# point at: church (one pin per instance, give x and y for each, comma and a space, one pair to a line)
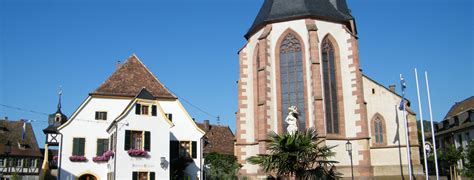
305, 53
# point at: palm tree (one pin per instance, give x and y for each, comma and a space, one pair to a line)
301, 154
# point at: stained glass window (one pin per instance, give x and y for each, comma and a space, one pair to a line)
291, 78
378, 131
330, 87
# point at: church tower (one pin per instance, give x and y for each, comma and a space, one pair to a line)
304, 53
53, 137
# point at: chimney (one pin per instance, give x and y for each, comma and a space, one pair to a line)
117, 66
206, 125
392, 87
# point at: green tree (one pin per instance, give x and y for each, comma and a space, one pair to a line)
469, 163
450, 156
301, 154
221, 166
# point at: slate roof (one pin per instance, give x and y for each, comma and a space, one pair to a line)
283, 10
218, 139
460, 107
130, 78
12, 131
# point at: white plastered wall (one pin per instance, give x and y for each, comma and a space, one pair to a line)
385, 103
159, 147
185, 129
84, 125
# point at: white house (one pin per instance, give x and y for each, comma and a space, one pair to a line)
130, 127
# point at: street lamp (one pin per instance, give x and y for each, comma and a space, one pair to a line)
349, 150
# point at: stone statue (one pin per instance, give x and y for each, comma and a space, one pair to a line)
292, 120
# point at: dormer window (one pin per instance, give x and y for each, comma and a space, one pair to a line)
23, 146
145, 109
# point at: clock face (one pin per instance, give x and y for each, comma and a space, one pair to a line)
428, 147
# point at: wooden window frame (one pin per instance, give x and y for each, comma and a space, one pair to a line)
148, 175
97, 146
85, 143
99, 117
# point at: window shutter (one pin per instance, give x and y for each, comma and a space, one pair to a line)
174, 150
106, 145
147, 140
96, 115
75, 146
152, 175
127, 139
138, 108
105, 115
82, 142
170, 117
135, 176
153, 110
99, 148
194, 149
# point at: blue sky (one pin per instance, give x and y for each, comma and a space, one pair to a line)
192, 47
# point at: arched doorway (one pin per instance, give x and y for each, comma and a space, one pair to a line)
87, 177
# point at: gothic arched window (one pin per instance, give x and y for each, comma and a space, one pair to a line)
378, 126
330, 87
291, 78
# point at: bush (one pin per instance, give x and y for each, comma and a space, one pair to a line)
221, 166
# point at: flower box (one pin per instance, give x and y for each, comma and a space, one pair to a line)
78, 158
137, 153
104, 158
100, 159
108, 154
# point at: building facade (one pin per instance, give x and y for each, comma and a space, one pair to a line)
305, 53
20, 155
127, 129
457, 128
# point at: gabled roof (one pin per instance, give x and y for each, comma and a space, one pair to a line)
218, 138
130, 78
283, 10
144, 94
460, 107
12, 131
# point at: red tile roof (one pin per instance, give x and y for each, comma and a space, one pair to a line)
130, 78
460, 107
12, 131
218, 139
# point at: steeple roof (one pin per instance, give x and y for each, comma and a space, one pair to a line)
283, 10
130, 78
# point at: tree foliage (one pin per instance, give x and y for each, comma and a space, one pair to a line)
300, 154
469, 163
221, 166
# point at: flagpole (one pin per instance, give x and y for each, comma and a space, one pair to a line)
421, 123
432, 127
407, 140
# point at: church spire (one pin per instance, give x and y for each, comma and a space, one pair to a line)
60, 93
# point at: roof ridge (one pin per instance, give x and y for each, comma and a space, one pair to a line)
146, 67
129, 78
